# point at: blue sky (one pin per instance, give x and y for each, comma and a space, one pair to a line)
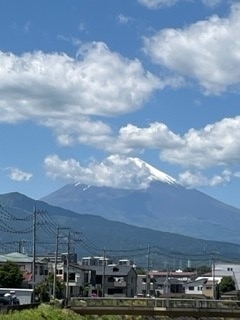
86, 86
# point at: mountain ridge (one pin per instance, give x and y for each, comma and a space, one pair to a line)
98, 233
161, 206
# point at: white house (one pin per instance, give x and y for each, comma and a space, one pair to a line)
195, 287
203, 286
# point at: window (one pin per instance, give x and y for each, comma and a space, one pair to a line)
41, 270
115, 269
110, 279
115, 291
229, 269
98, 279
191, 288
71, 276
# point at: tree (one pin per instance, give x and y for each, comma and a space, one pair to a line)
227, 284
10, 275
44, 288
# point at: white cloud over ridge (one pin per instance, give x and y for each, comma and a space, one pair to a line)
115, 171
214, 145
194, 180
214, 48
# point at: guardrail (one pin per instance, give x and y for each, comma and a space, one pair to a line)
158, 306
18, 307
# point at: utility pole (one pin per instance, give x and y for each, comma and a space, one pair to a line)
55, 264
67, 273
148, 271
213, 276
34, 251
103, 276
21, 246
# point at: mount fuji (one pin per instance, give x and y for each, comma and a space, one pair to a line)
163, 205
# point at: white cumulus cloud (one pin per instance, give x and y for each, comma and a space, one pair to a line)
207, 51
211, 3
115, 171
215, 144
198, 179
19, 175
156, 4
97, 82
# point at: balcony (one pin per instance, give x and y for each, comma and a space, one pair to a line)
120, 284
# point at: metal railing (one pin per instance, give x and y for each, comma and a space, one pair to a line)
157, 306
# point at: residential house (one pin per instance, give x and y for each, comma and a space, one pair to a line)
25, 264
205, 286
145, 286
77, 280
170, 282
114, 280
195, 287
168, 286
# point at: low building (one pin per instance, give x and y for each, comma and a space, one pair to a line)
76, 278
170, 282
206, 286
146, 286
195, 287
114, 281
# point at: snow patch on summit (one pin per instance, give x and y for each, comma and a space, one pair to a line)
155, 174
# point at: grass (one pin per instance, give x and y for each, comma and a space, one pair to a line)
46, 312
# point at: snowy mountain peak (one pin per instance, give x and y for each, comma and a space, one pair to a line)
155, 174
121, 172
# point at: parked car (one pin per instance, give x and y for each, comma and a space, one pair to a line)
9, 299
4, 300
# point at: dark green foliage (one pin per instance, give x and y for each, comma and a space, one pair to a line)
10, 275
44, 288
227, 284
